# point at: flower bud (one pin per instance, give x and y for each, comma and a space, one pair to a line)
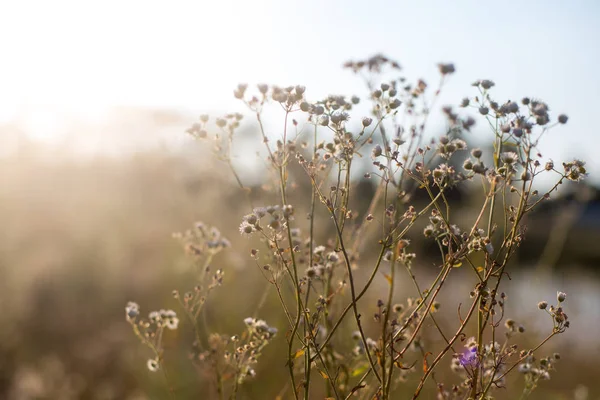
542, 305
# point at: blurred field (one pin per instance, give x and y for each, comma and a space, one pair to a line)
81, 237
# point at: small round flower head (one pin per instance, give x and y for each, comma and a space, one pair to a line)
324, 120
561, 296
524, 368
377, 151
486, 84
304, 106
483, 110
153, 365
132, 310
154, 316
263, 88
542, 305
446, 68
518, 132
172, 322
562, 118
510, 107
251, 219
468, 164
246, 228
428, 231
476, 153
288, 210
509, 157
395, 104
366, 121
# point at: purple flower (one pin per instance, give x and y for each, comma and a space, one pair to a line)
469, 357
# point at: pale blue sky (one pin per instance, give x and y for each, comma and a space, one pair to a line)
82, 57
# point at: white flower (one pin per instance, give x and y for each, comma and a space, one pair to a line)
153, 365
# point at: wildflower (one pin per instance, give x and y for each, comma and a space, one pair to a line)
132, 310
377, 151
304, 106
575, 170
154, 317
524, 368
251, 219
395, 104
562, 118
172, 323
510, 107
468, 358
428, 231
561, 296
246, 228
153, 365
518, 132
509, 157
483, 110
446, 69
486, 83
542, 305
333, 257
319, 250
366, 121
288, 210
371, 344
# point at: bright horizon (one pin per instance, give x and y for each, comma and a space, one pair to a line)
73, 60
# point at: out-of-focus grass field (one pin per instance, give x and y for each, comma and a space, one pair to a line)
81, 237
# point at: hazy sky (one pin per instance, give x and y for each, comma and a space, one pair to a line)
80, 58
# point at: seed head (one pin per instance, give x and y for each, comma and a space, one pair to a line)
486, 84
377, 151
446, 69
